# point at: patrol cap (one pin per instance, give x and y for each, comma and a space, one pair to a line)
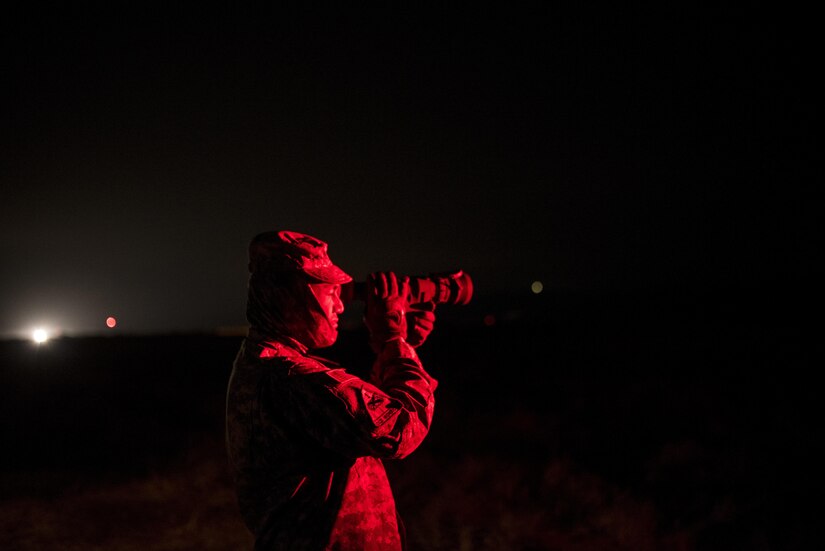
289, 251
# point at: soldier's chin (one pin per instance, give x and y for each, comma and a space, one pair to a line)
322, 339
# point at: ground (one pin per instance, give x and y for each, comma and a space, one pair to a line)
546, 436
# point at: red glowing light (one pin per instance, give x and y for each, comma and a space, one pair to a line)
111, 322
489, 320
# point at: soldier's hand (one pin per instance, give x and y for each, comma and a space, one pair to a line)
386, 308
420, 322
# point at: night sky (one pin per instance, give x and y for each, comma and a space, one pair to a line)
597, 152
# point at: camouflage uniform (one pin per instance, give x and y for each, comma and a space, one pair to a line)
305, 441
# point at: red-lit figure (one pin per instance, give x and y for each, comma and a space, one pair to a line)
306, 437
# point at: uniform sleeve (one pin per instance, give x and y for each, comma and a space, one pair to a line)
386, 417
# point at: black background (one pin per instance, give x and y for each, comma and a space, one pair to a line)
598, 151
653, 168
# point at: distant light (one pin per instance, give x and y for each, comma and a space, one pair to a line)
111, 322
537, 287
489, 320
40, 336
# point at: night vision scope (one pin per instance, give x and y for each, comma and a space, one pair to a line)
440, 288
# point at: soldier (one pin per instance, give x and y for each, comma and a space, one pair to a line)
305, 437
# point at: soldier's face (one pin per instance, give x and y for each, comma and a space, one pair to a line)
328, 296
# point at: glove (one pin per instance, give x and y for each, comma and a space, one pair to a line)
420, 322
386, 308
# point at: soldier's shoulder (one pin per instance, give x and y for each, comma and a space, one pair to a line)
317, 371
311, 369
296, 362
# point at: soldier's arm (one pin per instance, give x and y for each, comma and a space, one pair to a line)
388, 417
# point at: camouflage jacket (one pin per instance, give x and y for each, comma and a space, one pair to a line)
305, 440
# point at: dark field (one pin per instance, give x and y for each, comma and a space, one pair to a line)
680, 425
